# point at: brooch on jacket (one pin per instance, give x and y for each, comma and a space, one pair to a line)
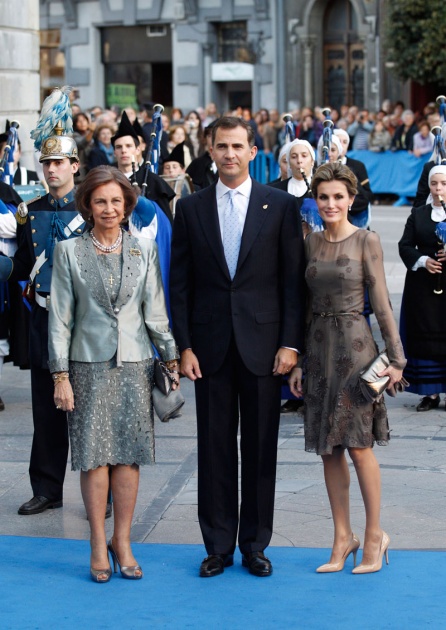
135, 252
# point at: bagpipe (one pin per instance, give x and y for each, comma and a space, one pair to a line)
440, 233
326, 135
439, 153
290, 132
8, 155
145, 209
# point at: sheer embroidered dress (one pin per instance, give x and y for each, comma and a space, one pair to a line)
340, 343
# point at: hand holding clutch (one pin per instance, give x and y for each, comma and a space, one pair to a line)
372, 385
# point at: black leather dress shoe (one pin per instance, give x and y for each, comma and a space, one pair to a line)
428, 403
215, 564
257, 563
291, 406
38, 505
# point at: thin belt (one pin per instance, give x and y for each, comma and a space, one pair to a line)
329, 314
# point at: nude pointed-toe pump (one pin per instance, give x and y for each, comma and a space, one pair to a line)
376, 566
333, 567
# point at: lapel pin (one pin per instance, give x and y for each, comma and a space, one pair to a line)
135, 252
265, 206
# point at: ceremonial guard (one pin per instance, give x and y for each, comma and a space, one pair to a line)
125, 143
44, 222
152, 215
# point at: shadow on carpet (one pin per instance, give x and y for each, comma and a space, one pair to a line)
45, 584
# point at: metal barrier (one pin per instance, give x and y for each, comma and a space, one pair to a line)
264, 168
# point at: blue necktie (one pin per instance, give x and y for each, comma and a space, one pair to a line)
232, 234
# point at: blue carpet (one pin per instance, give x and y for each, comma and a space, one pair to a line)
45, 584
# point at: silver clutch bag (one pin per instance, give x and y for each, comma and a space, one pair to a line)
373, 386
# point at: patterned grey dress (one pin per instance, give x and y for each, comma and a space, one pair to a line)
339, 341
112, 422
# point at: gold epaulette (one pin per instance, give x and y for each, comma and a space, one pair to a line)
21, 214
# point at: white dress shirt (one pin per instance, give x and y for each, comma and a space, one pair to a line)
241, 202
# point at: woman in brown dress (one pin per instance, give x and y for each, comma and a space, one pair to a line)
341, 261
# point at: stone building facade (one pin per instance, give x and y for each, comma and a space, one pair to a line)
19, 69
270, 53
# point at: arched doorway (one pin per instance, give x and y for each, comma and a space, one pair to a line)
343, 56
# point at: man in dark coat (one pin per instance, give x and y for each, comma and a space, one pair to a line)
125, 143
202, 170
237, 298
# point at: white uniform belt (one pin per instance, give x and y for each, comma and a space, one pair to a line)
41, 260
43, 301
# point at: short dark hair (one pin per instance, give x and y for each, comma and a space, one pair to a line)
232, 122
335, 171
100, 176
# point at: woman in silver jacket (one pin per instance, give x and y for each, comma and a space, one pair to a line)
107, 308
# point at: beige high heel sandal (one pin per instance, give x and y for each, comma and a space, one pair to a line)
131, 573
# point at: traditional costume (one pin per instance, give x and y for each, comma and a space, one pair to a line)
423, 309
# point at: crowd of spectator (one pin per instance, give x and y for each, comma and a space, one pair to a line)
394, 127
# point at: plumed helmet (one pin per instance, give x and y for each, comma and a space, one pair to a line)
58, 146
52, 135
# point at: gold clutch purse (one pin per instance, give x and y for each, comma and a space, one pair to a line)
373, 386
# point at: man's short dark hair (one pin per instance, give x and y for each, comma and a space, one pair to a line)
232, 122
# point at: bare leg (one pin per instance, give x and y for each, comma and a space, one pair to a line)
369, 478
94, 488
337, 482
124, 484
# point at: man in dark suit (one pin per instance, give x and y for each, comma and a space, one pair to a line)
238, 301
202, 169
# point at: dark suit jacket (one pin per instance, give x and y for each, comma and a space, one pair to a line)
263, 307
364, 195
31, 176
157, 190
281, 184
423, 189
201, 172
401, 141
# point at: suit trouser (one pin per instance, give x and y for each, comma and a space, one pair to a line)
219, 399
49, 450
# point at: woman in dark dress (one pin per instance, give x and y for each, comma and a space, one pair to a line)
423, 312
102, 152
342, 261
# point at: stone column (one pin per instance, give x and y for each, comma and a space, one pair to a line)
206, 91
307, 49
19, 70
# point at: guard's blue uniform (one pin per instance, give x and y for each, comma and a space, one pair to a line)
47, 223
